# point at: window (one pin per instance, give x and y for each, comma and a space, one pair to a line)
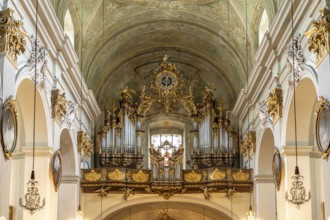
68, 27
173, 139
264, 26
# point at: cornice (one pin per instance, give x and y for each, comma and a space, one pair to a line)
59, 49
271, 49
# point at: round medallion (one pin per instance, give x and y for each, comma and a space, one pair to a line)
166, 80
323, 129
277, 170
8, 129
57, 169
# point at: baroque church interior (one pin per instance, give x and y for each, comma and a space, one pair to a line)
164, 109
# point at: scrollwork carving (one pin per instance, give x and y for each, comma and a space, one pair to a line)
262, 111
241, 176
274, 103
140, 176
296, 60
40, 62
71, 112
193, 177
12, 36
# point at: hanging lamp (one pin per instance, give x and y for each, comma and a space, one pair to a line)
297, 193
250, 214
32, 198
79, 215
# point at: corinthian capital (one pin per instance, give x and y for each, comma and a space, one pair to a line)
12, 36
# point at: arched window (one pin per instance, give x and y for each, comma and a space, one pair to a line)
264, 26
68, 26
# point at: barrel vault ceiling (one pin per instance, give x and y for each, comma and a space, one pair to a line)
135, 35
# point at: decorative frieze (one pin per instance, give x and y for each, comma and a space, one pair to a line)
12, 36
318, 37
37, 59
59, 105
248, 145
85, 144
296, 60
270, 110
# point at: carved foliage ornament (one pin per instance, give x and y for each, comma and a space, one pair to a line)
92, 176
248, 145
12, 36
241, 176
217, 175
116, 175
85, 144
318, 37
59, 104
296, 60
40, 62
262, 111
71, 112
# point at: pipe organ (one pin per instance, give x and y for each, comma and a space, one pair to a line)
121, 141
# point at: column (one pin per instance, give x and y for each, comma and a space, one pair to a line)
69, 189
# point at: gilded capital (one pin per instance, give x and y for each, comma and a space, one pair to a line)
59, 105
318, 37
12, 36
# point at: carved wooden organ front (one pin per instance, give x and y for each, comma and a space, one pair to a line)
212, 142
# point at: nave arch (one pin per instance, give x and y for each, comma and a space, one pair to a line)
179, 207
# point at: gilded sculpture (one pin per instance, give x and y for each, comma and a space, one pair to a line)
85, 144
248, 145
274, 103
12, 36
217, 175
241, 175
318, 37
92, 176
116, 175
192, 177
140, 176
59, 105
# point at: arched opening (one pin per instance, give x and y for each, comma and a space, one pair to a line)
178, 208
306, 98
309, 163
264, 184
25, 102
263, 26
69, 184
21, 166
168, 210
68, 26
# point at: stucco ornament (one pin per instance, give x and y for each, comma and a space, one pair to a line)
296, 60
12, 36
59, 105
37, 59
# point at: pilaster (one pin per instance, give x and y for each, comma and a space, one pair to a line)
319, 43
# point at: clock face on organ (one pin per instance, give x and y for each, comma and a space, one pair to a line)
166, 80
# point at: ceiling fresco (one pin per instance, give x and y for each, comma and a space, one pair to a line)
196, 35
